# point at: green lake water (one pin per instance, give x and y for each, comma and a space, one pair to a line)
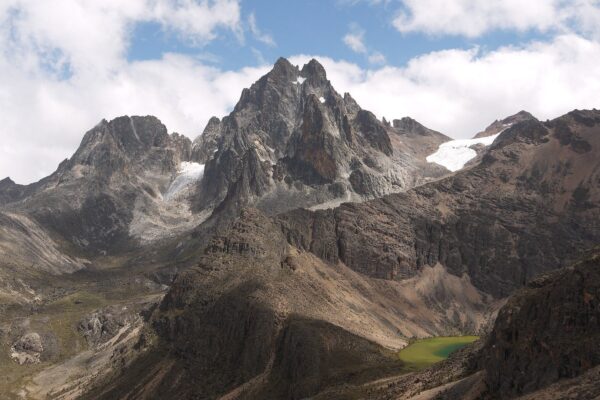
426, 352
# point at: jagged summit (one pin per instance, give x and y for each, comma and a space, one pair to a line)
315, 73
7, 183
313, 145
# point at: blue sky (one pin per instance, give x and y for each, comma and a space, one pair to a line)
316, 27
454, 65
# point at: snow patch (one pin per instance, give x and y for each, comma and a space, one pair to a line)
133, 129
187, 174
300, 80
322, 99
456, 153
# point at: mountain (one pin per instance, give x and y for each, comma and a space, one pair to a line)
300, 291
130, 184
110, 189
532, 202
232, 266
499, 125
293, 141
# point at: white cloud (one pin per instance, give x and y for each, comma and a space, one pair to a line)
355, 41
459, 92
473, 18
376, 58
93, 35
63, 67
257, 33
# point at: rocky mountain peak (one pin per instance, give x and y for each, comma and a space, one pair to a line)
315, 73
206, 144
500, 125
407, 125
309, 138
130, 134
9, 190
283, 65
129, 142
6, 182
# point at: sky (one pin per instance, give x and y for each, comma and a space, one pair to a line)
454, 65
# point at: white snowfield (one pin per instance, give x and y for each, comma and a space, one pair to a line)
322, 99
300, 80
456, 153
188, 173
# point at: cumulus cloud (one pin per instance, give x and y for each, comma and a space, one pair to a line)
93, 35
376, 58
59, 77
473, 18
355, 41
459, 92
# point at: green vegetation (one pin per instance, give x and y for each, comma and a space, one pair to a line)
426, 352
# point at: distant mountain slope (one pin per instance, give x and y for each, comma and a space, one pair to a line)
499, 125
532, 203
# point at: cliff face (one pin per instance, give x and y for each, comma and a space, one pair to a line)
529, 206
547, 332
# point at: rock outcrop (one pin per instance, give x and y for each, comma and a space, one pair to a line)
547, 332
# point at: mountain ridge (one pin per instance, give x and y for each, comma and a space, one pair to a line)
288, 252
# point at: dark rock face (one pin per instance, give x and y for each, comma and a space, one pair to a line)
408, 126
130, 143
10, 191
207, 144
512, 217
547, 332
232, 326
312, 355
307, 137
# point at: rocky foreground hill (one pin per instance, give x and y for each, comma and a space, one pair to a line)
294, 247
